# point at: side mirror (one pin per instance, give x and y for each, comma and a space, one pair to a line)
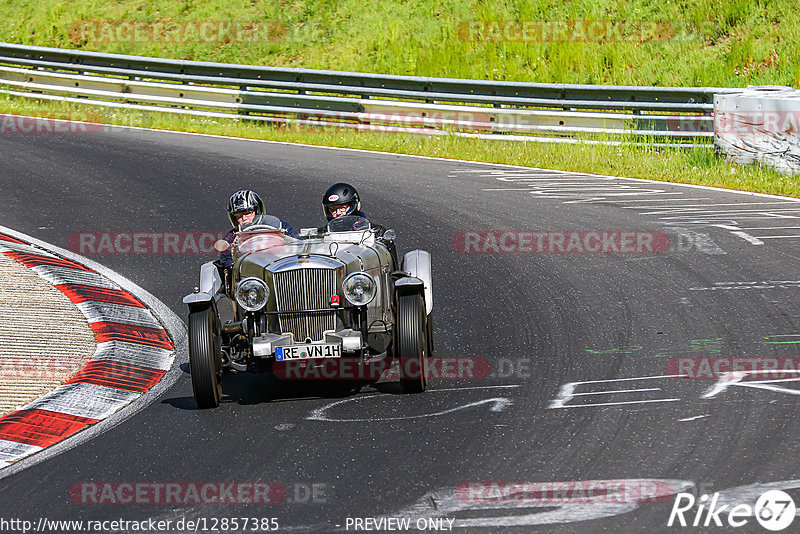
389, 235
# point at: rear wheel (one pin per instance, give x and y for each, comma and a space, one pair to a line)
411, 343
204, 364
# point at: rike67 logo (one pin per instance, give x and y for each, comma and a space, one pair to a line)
774, 510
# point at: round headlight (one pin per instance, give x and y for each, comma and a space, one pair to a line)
359, 288
252, 294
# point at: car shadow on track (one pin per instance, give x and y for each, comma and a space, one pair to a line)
253, 388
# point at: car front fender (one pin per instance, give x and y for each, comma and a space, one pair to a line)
417, 264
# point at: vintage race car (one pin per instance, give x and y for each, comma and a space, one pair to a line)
335, 294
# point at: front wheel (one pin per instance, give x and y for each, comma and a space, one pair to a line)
204, 341
411, 343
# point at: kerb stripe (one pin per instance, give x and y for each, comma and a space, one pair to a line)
41, 428
118, 375
82, 293
35, 260
110, 331
4, 237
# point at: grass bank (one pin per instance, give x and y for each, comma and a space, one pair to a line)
727, 43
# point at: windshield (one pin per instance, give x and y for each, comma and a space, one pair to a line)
348, 223
258, 239
264, 233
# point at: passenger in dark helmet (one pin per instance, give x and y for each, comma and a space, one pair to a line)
342, 199
245, 207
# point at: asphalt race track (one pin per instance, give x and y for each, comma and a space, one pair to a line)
577, 348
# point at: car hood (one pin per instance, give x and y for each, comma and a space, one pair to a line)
304, 255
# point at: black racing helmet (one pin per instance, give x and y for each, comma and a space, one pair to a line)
245, 200
341, 193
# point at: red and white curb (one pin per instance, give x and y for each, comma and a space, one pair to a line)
134, 352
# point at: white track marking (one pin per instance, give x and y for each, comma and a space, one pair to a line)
738, 286
734, 379
630, 379
714, 205
486, 167
567, 392
696, 417
478, 387
582, 200
616, 391
621, 403
772, 228
735, 230
689, 211
652, 200
739, 214
498, 404
749, 238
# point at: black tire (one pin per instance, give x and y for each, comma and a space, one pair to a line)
430, 335
411, 342
204, 364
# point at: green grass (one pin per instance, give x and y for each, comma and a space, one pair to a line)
696, 166
728, 43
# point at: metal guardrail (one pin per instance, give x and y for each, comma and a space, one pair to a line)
504, 110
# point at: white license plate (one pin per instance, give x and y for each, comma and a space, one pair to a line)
302, 352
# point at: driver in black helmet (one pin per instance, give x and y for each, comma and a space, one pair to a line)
342, 199
245, 207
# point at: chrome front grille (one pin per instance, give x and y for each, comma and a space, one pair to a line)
305, 289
